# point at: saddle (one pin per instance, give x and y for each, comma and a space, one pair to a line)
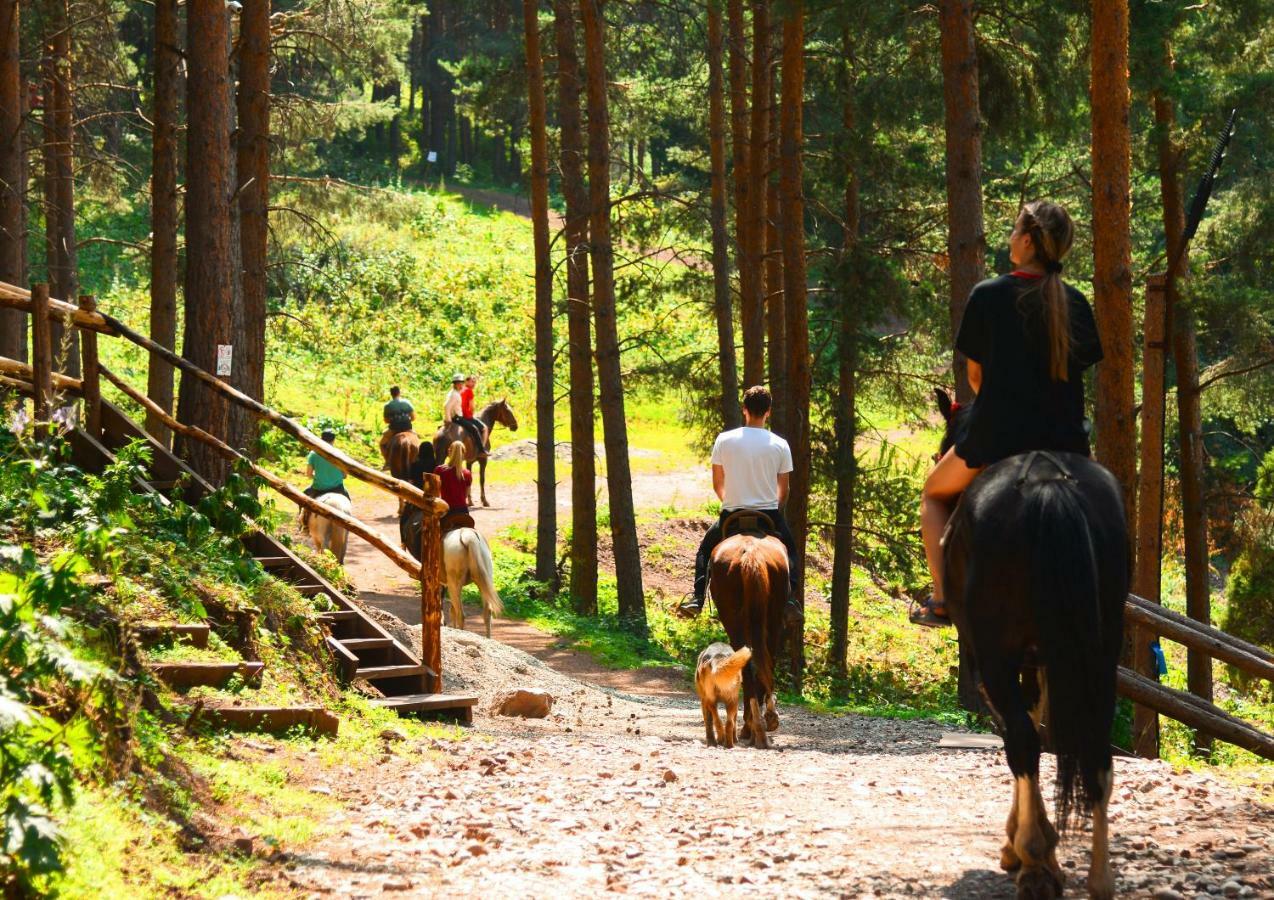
451, 521
747, 521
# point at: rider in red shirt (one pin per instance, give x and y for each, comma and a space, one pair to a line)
466, 407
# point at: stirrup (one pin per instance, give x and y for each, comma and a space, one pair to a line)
690, 606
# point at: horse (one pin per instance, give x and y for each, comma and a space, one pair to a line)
492, 414
404, 447
1036, 577
748, 576
466, 559
328, 534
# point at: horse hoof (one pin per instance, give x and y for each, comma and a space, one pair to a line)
771, 721
1009, 861
1038, 884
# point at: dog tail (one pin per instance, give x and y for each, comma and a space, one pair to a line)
733, 664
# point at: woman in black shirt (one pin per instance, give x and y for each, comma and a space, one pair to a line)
1028, 337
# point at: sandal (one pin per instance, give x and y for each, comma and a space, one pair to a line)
930, 614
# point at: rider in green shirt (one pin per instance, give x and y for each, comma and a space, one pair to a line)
325, 477
398, 415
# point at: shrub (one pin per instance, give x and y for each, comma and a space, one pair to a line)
1250, 588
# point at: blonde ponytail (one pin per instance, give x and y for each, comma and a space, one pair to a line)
1052, 233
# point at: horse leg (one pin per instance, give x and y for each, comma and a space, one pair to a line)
468, 491
482, 479
1101, 882
759, 739
486, 616
771, 713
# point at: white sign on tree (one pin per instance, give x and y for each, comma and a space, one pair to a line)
224, 354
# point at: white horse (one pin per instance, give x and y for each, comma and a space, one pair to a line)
328, 534
466, 559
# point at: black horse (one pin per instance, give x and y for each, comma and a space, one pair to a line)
1037, 571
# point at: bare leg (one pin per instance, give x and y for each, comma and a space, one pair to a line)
948, 480
1101, 882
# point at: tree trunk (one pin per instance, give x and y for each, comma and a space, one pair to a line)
439, 83
731, 415
740, 149
846, 413
794, 295
966, 237
751, 278
253, 171
1112, 255
775, 310
163, 214
545, 471
623, 525
583, 585
211, 257
13, 323
396, 127
63, 274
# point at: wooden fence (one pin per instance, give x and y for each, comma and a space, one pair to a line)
44, 384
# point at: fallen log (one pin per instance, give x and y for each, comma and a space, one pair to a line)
1194, 712
366, 532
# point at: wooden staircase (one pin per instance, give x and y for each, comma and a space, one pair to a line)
362, 649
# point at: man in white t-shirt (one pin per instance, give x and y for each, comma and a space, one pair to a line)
750, 470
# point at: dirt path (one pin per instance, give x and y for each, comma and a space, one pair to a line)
616, 791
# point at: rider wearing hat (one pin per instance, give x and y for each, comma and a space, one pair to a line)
454, 411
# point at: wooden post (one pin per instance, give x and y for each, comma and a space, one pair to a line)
41, 353
1147, 576
431, 591
92, 374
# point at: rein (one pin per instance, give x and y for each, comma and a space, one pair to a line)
1063, 473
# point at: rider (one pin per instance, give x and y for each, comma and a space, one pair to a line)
325, 478
466, 408
398, 415
751, 467
1028, 337
453, 411
454, 480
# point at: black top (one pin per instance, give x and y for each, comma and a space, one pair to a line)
425, 463
1020, 407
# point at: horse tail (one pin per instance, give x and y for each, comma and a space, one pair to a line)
1066, 595
483, 570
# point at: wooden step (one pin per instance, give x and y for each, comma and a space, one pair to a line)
274, 719
275, 562
154, 632
163, 486
375, 673
362, 645
338, 615
183, 675
309, 590
451, 705
346, 661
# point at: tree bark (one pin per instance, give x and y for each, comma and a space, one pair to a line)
740, 150
731, 415
59, 175
13, 324
583, 584
775, 309
794, 293
163, 221
253, 171
545, 454
752, 278
623, 525
846, 412
1112, 254
966, 231
211, 255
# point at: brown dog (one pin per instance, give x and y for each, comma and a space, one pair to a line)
718, 677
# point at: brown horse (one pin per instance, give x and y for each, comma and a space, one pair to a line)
403, 449
748, 578
492, 414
